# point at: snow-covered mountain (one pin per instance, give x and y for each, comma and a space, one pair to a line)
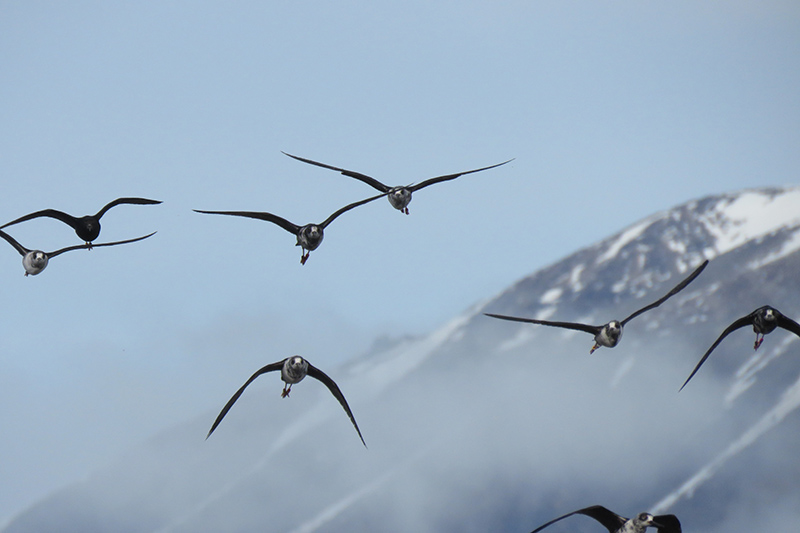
489, 425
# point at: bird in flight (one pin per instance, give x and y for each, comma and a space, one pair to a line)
87, 227
309, 237
293, 369
764, 320
615, 523
609, 334
34, 261
399, 196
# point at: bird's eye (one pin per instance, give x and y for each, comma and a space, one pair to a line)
643, 517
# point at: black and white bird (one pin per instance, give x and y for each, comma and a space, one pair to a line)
764, 320
615, 523
609, 334
87, 227
399, 196
309, 237
34, 261
293, 370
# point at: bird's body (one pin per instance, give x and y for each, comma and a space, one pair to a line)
34, 261
87, 228
309, 237
615, 523
609, 334
293, 369
399, 196
764, 320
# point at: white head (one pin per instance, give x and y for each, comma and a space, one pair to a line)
34, 262
294, 369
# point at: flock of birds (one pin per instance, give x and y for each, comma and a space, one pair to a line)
294, 369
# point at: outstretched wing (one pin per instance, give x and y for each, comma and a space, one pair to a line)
594, 330
318, 374
269, 217
269, 368
357, 175
610, 520
788, 324
17, 246
668, 523
52, 213
125, 201
678, 288
348, 208
447, 177
739, 323
81, 246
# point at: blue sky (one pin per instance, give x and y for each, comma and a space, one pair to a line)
612, 112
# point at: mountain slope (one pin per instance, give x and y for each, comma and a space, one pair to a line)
489, 425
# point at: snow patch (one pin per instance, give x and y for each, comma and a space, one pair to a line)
790, 400
625, 237
575, 278
752, 214
402, 359
746, 375
791, 245
551, 296
545, 313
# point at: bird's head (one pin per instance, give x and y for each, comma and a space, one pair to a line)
34, 262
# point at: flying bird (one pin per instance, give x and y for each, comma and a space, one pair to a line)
399, 196
87, 227
615, 523
34, 261
764, 320
293, 370
309, 237
609, 334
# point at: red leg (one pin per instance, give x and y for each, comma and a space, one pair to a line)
759, 340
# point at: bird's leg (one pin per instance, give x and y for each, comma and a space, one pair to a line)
596, 346
286, 389
89, 245
759, 340
304, 257
405, 210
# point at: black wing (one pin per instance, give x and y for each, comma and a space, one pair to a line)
348, 208
678, 288
125, 201
52, 213
669, 523
17, 246
80, 246
318, 374
269, 217
447, 177
594, 330
788, 324
739, 323
610, 520
269, 368
357, 175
